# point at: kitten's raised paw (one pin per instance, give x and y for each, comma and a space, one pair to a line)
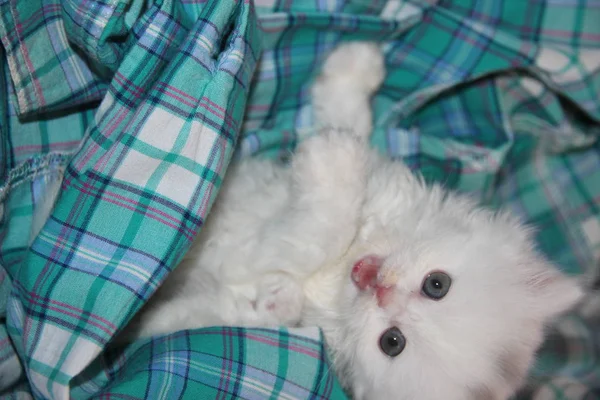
358, 63
342, 92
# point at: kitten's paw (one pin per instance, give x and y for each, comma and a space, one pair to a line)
280, 300
342, 93
358, 63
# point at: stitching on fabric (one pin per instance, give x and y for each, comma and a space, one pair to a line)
32, 169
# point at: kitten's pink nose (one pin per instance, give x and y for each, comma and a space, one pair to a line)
364, 272
365, 275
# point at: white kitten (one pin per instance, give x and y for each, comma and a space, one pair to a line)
420, 294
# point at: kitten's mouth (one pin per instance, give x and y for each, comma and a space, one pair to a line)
367, 278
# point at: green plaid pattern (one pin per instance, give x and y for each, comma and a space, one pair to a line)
140, 105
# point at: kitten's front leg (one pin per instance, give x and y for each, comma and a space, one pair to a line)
329, 169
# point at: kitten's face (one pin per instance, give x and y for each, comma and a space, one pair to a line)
453, 308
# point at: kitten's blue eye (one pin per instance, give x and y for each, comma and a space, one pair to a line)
436, 285
392, 342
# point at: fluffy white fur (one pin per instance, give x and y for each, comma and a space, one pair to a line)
280, 244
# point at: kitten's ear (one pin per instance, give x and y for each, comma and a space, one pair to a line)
554, 291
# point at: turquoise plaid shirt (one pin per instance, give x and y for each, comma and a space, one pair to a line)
139, 106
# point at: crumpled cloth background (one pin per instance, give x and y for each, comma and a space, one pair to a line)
139, 106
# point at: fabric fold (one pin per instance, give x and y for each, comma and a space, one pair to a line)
137, 190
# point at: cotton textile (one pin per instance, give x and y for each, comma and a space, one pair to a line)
139, 106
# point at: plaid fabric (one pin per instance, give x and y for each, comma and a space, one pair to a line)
496, 98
